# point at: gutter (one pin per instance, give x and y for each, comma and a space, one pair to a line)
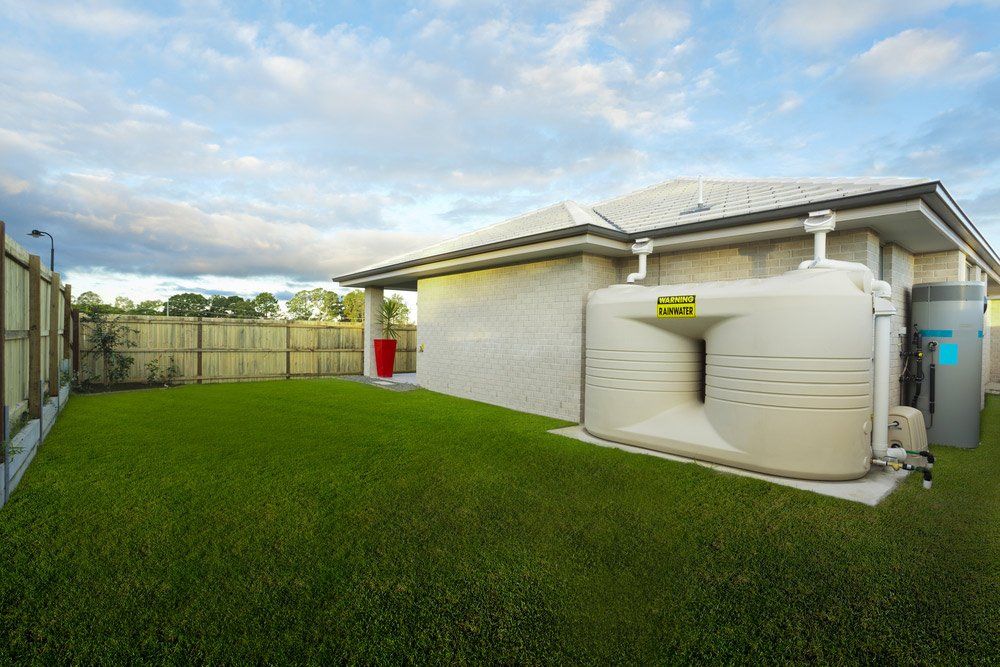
932, 193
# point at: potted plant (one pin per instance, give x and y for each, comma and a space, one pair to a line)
391, 316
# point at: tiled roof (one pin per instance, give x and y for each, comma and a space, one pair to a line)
668, 204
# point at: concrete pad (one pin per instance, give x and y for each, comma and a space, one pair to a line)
403, 378
870, 489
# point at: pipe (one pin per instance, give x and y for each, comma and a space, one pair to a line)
819, 224
884, 310
642, 248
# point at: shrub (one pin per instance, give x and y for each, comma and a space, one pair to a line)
107, 338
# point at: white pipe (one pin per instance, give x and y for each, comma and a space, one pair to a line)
884, 310
642, 248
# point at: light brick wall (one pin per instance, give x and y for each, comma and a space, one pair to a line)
897, 270
515, 335
993, 326
759, 259
933, 267
510, 336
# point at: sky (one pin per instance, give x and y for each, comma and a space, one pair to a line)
245, 147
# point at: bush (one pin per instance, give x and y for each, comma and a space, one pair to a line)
107, 337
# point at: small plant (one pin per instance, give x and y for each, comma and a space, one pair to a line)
107, 338
153, 371
392, 316
81, 384
65, 377
173, 371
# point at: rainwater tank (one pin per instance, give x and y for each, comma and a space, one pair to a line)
772, 375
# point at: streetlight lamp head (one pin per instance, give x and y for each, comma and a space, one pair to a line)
35, 233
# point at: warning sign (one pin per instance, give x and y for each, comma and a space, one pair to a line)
682, 305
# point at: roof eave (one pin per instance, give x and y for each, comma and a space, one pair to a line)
553, 235
931, 192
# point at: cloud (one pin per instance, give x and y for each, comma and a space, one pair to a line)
651, 27
918, 53
789, 102
810, 24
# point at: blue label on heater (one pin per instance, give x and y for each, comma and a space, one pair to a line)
980, 333
948, 354
936, 333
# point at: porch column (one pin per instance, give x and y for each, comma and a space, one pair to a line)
372, 327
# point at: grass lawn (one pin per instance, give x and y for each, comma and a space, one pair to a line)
327, 520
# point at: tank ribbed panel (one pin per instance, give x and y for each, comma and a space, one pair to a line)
645, 371
789, 382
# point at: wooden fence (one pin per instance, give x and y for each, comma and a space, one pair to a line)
36, 322
234, 350
34, 350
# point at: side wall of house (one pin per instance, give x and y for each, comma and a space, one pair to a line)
510, 336
515, 336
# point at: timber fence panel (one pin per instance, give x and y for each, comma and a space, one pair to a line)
235, 350
33, 307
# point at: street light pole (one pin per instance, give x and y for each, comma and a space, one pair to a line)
37, 233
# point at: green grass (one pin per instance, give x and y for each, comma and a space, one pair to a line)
318, 521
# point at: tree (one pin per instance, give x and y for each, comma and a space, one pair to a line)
353, 305
187, 304
220, 305
265, 305
123, 304
90, 302
88, 299
150, 307
107, 337
315, 304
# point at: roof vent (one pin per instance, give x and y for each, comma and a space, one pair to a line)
702, 206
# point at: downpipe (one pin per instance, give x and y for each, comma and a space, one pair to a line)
642, 248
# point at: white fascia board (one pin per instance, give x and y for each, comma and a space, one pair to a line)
583, 243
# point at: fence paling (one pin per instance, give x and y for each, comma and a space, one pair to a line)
34, 341
215, 350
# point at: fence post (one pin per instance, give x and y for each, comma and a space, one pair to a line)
67, 321
3, 335
199, 350
76, 340
34, 337
3, 338
54, 336
288, 350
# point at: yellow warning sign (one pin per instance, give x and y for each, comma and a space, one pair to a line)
682, 305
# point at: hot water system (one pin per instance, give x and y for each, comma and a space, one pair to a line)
786, 375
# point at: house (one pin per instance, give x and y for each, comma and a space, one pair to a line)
502, 308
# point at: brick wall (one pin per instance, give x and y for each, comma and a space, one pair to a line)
935, 267
759, 259
897, 270
993, 327
511, 336
514, 336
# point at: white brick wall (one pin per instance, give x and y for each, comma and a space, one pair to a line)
759, 259
897, 270
514, 336
511, 336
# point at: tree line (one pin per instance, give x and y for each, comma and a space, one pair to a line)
315, 304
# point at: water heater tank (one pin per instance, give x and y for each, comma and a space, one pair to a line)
949, 316
772, 375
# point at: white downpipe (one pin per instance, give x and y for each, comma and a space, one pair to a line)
642, 248
819, 224
884, 310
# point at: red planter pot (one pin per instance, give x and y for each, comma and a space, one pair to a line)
385, 356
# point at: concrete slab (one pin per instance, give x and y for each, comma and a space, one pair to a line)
870, 489
403, 378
